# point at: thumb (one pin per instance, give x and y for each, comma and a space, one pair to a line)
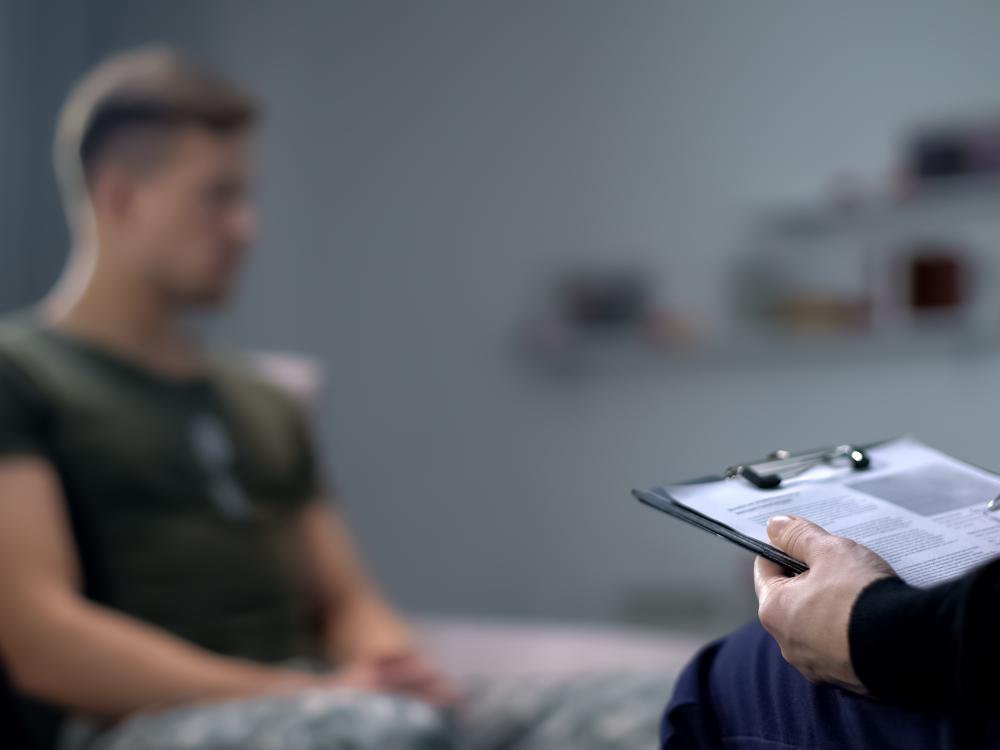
798, 537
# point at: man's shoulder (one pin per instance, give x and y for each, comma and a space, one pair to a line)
25, 359
18, 325
257, 379
21, 339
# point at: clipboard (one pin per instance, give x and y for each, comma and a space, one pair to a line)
769, 473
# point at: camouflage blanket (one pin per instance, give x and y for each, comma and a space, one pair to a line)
594, 712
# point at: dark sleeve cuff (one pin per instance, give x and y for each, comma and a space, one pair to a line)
899, 644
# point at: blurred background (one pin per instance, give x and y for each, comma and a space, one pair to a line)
545, 252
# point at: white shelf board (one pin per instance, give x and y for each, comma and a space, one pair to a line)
622, 355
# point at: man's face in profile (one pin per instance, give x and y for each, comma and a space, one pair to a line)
191, 218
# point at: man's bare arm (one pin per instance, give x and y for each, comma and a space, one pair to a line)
362, 628
60, 647
360, 623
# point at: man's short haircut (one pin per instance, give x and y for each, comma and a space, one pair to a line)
118, 110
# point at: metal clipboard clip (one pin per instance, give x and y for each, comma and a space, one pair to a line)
781, 465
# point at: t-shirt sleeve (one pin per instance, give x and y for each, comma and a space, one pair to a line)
23, 413
307, 481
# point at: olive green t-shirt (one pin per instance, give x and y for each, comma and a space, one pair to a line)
182, 494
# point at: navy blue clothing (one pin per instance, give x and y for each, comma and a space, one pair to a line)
738, 693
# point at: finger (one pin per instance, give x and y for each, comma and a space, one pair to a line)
766, 575
410, 673
441, 693
357, 678
798, 537
395, 658
432, 689
409, 680
413, 678
409, 670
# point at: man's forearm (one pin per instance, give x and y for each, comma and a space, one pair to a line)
366, 627
359, 622
98, 661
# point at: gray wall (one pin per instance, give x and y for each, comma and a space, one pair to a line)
42, 49
424, 165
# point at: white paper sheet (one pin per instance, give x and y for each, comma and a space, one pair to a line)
922, 510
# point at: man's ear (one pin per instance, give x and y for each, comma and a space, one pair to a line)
112, 192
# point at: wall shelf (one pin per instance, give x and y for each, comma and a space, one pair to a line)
610, 355
952, 200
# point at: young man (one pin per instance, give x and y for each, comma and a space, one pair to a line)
164, 537
171, 575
